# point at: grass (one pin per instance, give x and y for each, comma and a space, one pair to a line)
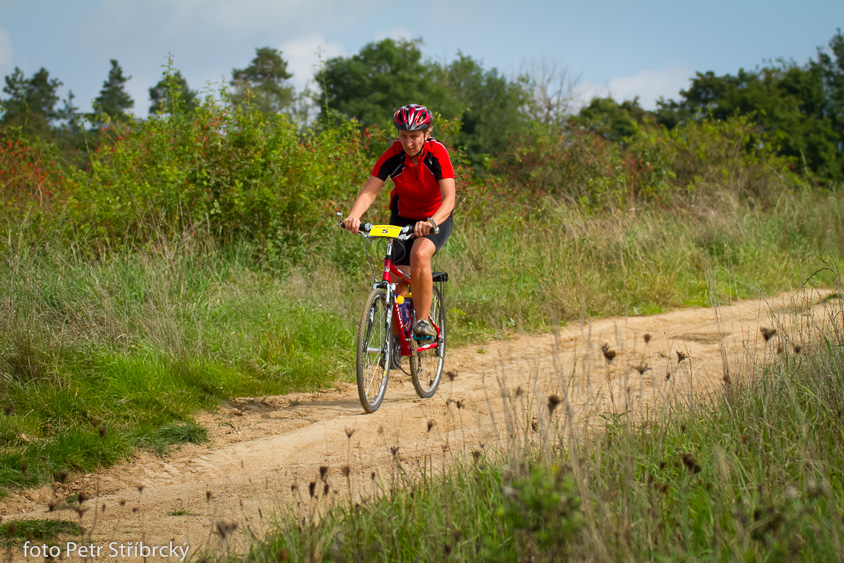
44, 531
103, 353
754, 472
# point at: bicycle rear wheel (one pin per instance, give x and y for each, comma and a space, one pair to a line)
371, 362
426, 367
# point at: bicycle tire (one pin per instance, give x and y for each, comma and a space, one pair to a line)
426, 367
371, 365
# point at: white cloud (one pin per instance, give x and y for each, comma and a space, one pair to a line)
396, 34
7, 53
649, 85
303, 56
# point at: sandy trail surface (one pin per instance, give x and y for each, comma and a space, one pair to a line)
269, 454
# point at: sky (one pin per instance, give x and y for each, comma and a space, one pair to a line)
620, 48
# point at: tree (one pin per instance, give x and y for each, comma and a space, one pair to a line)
171, 94
381, 78
264, 83
489, 106
799, 109
614, 121
113, 100
552, 94
386, 75
31, 104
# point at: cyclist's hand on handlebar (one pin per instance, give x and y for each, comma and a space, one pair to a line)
352, 224
423, 228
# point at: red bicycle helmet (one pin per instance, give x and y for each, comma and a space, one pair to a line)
413, 117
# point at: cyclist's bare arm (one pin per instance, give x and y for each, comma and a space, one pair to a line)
365, 198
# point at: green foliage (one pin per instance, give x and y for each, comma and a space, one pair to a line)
542, 509
797, 109
229, 168
617, 122
488, 105
372, 84
32, 179
113, 100
263, 84
44, 531
384, 76
172, 95
31, 105
582, 167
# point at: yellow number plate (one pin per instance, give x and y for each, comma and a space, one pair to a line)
387, 231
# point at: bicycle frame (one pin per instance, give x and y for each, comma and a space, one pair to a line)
389, 286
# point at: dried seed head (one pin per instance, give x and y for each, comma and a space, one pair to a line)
60, 476
140, 488
779, 349
325, 490
208, 496
349, 432
797, 348
451, 375
608, 354
81, 497
553, 401
102, 430
476, 454
681, 356
312, 488
431, 424
8, 409
346, 471
641, 368
767, 333
24, 466
667, 375
647, 337
323, 471
519, 391
394, 450
727, 379
690, 462
224, 529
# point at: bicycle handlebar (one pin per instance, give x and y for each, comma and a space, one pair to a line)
366, 227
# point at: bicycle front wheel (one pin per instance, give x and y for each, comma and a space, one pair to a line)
426, 367
372, 365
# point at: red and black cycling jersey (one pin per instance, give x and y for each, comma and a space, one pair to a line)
417, 188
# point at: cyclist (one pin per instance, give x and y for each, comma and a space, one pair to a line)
423, 196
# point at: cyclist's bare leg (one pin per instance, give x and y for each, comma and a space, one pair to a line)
420, 274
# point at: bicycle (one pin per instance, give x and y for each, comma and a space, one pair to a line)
378, 349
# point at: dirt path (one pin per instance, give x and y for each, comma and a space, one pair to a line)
268, 454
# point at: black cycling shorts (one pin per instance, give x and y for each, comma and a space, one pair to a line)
401, 248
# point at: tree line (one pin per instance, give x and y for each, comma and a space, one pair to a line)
798, 109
